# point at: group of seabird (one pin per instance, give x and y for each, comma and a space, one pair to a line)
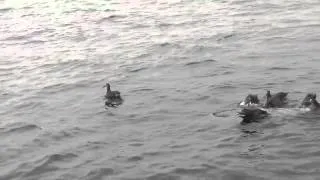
252, 110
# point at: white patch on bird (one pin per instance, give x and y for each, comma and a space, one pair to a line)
242, 103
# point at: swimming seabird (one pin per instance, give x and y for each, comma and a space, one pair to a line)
307, 100
251, 99
111, 94
277, 100
313, 104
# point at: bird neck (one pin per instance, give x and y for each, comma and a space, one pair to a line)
268, 95
108, 89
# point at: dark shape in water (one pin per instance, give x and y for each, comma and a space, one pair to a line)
277, 100
250, 115
311, 102
315, 106
251, 99
307, 100
113, 102
111, 95
249, 131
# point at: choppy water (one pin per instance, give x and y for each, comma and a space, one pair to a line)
175, 64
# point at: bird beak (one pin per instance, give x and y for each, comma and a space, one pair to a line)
104, 86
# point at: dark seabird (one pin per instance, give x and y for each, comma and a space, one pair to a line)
250, 115
311, 102
307, 100
251, 99
277, 100
111, 95
314, 105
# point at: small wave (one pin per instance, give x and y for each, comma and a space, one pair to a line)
20, 127
202, 98
165, 25
61, 157
225, 37
6, 74
222, 113
226, 86
30, 14
116, 16
228, 36
34, 42
138, 69
313, 153
61, 135
99, 173
164, 44
27, 7
136, 144
279, 68
54, 86
178, 146
59, 87
109, 10
25, 36
206, 129
102, 20
138, 26
3, 10
223, 146
200, 62
199, 170
289, 135
269, 84
16, 37
29, 105
308, 167
111, 17
151, 154
135, 158
142, 90
255, 147
25, 128
46, 164
95, 145
161, 176
227, 72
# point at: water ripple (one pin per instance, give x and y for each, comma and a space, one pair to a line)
18, 128
4, 10
99, 173
49, 163
176, 64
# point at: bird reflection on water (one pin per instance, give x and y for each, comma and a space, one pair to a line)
113, 102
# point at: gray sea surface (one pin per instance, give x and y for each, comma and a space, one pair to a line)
175, 63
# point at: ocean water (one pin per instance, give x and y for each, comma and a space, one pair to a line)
175, 63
